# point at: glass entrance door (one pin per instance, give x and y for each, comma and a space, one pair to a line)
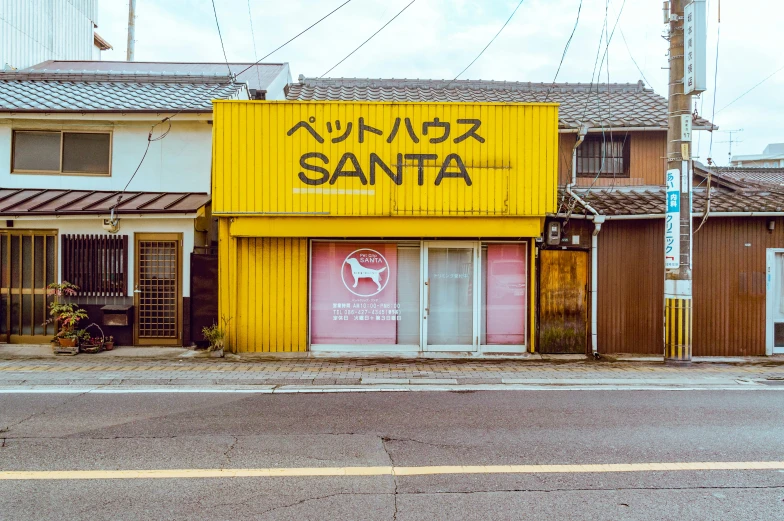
450, 296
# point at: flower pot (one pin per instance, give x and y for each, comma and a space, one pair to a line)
66, 342
217, 353
64, 350
108, 346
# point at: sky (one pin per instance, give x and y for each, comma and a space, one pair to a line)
439, 38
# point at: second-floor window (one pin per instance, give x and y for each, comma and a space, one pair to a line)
61, 152
603, 156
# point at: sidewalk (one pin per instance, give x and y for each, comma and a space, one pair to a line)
185, 370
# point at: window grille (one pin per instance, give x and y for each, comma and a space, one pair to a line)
603, 156
98, 264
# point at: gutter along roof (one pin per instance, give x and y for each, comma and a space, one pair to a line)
617, 105
29, 202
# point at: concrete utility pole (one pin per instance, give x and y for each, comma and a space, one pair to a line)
678, 224
131, 29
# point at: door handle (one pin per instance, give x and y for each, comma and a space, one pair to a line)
427, 307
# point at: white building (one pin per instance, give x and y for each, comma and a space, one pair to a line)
70, 144
32, 31
771, 157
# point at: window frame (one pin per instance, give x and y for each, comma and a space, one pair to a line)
625, 157
62, 140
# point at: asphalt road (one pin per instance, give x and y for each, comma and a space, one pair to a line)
60, 432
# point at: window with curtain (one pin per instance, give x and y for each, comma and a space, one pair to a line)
604, 155
61, 152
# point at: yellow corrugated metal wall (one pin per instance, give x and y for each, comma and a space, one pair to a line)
269, 302
266, 162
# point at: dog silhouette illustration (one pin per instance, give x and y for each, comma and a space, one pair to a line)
358, 271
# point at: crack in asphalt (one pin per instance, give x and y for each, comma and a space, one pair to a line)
45, 411
430, 444
384, 441
228, 451
306, 500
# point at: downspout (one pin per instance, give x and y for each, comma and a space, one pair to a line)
597, 223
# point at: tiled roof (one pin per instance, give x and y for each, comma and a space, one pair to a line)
45, 92
652, 201
758, 176
616, 105
87, 202
258, 76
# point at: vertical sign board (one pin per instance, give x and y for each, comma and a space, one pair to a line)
694, 47
672, 222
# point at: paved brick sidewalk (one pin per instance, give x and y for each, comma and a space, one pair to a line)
87, 371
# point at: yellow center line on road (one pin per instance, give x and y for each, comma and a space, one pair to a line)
24, 475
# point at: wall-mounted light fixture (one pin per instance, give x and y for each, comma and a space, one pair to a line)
771, 225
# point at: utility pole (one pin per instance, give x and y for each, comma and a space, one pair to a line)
131, 29
686, 77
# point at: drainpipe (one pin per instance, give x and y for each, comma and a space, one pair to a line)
597, 223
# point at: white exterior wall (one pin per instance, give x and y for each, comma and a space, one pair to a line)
179, 163
128, 226
33, 31
276, 89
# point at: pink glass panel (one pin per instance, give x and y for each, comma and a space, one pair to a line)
354, 293
507, 293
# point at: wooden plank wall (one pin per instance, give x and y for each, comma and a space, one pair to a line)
648, 150
631, 287
729, 286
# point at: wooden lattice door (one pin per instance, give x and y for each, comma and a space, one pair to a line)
27, 266
157, 289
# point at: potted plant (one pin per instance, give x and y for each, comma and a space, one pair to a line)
216, 335
109, 343
67, 316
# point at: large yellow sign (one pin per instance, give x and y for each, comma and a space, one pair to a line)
384, 159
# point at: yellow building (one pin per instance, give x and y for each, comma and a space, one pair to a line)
381, 227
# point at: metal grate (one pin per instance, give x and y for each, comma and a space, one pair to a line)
158, 293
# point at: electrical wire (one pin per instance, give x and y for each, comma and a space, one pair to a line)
214, 10
713, 117
253, 38
230, 81
632, 57
370, 38
566, 48
488, 44
751, 89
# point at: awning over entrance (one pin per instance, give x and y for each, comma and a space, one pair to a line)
33, 201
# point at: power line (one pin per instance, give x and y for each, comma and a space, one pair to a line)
220, 36
253, 38
371, 37
311, 26
566, 48
751, 89
209, 93
489, 43
632, 57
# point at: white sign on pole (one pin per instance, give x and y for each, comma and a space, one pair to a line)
672, 221
686, 120
694, 47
